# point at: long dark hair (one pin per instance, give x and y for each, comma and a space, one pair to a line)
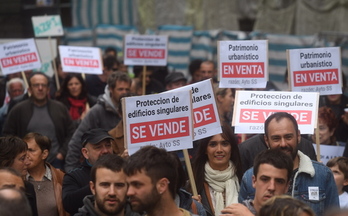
64, 93
201, 157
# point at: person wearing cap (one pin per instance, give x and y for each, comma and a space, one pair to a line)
175, 80
105, 114
95, 142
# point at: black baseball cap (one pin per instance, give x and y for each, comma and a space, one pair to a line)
94, 136
173, 77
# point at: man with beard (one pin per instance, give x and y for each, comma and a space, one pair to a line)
152, 177
109, 187
311, 182
272, 173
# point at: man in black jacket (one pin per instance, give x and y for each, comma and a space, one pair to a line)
95, 143
41, 115
109, 187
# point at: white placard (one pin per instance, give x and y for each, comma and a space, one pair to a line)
252, 108
45, 26
206, 120
43, 46
145, 50
327, 152
86, 60
19, 56
315, 70
243, 64
162, 120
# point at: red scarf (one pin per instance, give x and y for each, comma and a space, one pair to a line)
77, 107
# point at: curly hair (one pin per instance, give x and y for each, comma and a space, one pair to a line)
328, 116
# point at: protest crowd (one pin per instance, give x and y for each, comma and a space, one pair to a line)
64, 148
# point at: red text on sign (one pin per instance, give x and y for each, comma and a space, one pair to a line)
92, 63
18, 60
317, 77
204, 115
243, 70
146, 53
158, 130
303, 117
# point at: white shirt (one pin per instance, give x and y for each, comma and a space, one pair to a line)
343, 200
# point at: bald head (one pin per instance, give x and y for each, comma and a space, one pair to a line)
14, 202
10, 178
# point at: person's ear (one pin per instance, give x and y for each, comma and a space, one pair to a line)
345, 182
162, 185
30, 90
287, 187
254, 181
266, 141
92, 187
44, 154
84, 152
298, 137
219, 98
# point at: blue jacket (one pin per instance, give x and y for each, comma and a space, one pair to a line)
310, 174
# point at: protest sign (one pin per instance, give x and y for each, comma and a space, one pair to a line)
328, 152
206, 120
45, 26
315, 70
19, 56
81, 59
162, 120
243, 64
46, 56
252, 108
145, 50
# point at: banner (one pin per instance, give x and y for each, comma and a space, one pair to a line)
206, 120
162, 120
81, 59
327, 152
252, 108
243, 64
145, 50
315, 70
45, 26
19, 56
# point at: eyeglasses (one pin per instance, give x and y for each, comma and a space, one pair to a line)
114, 69
37, 85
